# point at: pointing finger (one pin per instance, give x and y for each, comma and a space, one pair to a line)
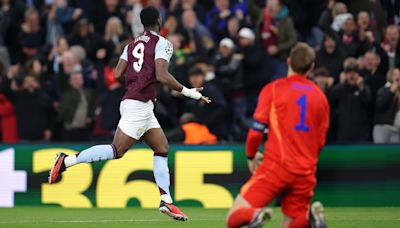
206, 99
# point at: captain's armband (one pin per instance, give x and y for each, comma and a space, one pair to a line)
258, 126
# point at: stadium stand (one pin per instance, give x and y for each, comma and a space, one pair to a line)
57, 59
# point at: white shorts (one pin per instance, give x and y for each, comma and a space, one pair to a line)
137, 117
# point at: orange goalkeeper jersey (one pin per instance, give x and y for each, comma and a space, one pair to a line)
296, 113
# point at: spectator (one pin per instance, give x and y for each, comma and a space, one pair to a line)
204, 65
34, 67
364, 24
178, 62
228, 69
217, 19
76, 108
95, 46
69, 62
305, 15
195, 6
11, 17
75, 59
170, 26
114, 35
32, 35
327, 17
233, 29
168, 107
196, 133
331, 55
134, 17
392, 11
60, 19
339, 16
349, 37
8, 122
391, 45
192, 132
80, 53
374, 8
160, 6
184, 5
32, 43
253, 58
213, 114
33, 108
375, 76
278, 32
351, 99
104, 10
323, 78
387, 110
197, 36
56, 52
110, 93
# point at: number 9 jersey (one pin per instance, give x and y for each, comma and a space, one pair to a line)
140, 77
296, 113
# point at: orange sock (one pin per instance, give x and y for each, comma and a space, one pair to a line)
241, 217
300, 222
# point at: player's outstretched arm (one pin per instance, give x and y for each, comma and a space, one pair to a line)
120, 70
167, 79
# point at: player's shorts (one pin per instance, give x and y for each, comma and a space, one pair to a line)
271, 180
137, 117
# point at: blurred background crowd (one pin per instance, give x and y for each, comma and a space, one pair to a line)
57, 60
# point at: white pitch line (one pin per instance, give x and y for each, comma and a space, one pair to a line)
143, 220
100, 221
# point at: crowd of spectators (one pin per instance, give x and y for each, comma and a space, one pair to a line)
57, 60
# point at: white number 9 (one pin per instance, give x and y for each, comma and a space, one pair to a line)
138, 53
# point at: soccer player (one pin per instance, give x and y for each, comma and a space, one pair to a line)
296, 113
144, 62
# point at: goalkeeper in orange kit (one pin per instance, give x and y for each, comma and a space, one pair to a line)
296, 113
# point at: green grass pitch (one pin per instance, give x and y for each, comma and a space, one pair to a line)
136, 217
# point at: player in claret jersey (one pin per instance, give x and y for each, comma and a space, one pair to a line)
144, 62
296, 113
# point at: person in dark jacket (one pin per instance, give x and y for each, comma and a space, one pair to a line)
331, 55
386, 107
391, 45
228, 70
278, 33
217, 19
366, 24
322, 77
213, 115
76, 107
197, 36
96, 47
349, 37
33, 108
374, 72
110, 93
253, 62
328, 15
104, 10
351, 99
11, 14
31, 35
305, 16
115, 36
